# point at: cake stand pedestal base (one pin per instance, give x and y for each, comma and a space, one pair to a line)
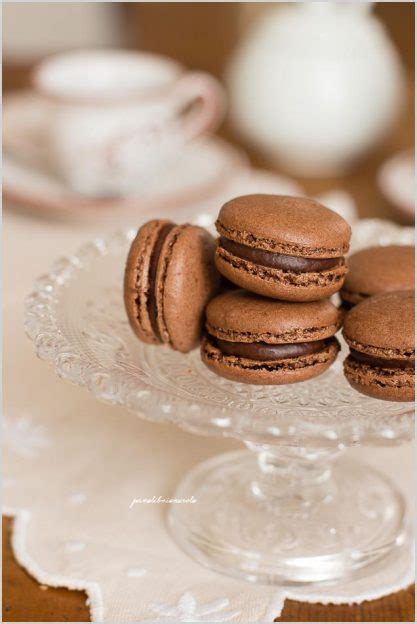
285, 515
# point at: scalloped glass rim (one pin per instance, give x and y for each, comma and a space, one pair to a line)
76, 318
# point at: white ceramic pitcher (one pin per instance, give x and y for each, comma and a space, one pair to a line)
315, 85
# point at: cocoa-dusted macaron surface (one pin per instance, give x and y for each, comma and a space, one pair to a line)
253, 339
288, 248
169, 278
380, 335
375, 270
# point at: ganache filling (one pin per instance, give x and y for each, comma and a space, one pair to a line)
381, 362
153, 267
263, 351
277, 260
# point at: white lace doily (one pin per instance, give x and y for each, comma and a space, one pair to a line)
74, 465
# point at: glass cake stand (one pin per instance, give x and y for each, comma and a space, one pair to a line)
287, 509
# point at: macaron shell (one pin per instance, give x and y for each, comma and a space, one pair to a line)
279, 284
241, 316
380, 383
350, 297
288, 225
378, 269
382, 325
280, 372
186, 280
136, 280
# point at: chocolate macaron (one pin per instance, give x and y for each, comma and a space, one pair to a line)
169, 278
380, 334
375, 270
288, 248
252, 339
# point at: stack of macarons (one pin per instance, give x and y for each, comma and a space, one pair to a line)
286, 256
378, 293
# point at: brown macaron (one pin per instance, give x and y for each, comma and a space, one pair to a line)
288, 248
169, 278
375, 270
252, 339
380, 334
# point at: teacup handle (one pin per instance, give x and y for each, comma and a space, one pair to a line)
192, 88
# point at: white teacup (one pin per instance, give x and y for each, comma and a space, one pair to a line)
119, 117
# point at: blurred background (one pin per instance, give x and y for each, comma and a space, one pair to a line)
319, 101
279, 99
